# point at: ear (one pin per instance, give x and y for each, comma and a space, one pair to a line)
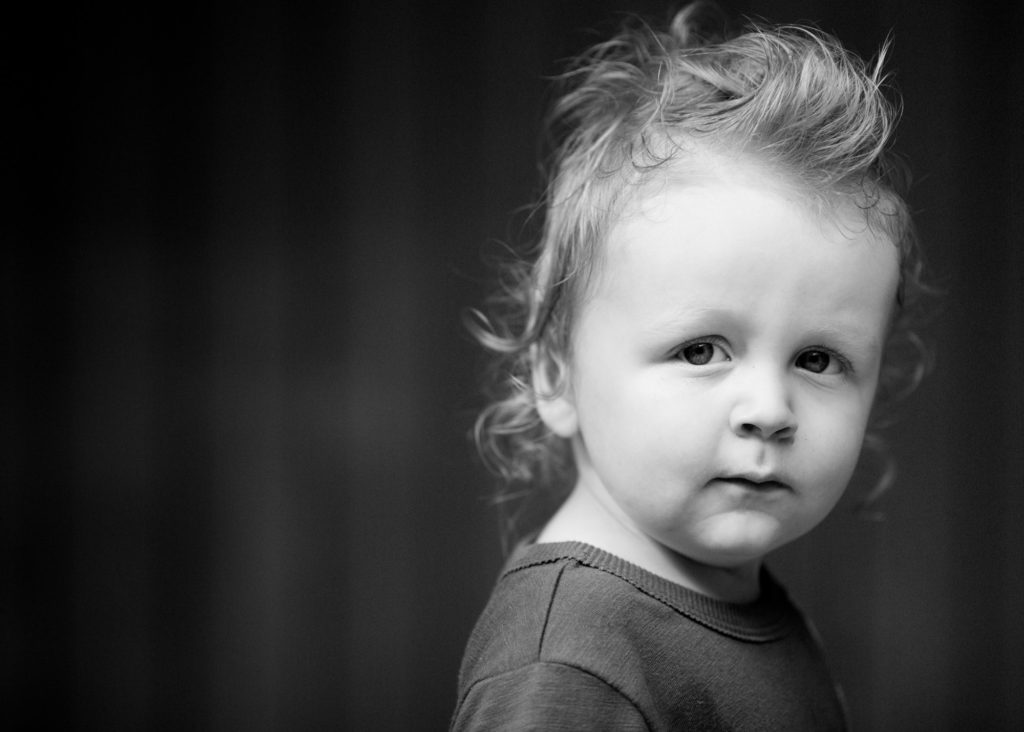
553, 390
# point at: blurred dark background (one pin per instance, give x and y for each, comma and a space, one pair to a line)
237, 488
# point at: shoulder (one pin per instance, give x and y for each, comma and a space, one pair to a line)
558, 636
549, 605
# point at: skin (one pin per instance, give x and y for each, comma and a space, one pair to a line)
723, 369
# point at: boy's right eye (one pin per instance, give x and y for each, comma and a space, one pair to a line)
701, 353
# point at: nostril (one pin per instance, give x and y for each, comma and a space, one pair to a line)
772, 432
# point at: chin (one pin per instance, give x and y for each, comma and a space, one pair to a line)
737, 539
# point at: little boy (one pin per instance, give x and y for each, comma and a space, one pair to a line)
701, 338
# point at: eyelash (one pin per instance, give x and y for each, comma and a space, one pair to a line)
845, 367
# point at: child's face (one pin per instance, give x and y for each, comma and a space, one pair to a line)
724, 366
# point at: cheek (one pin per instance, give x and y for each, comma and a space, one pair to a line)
837, 419
657, 431
835, 445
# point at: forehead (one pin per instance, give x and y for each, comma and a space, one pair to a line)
735, 246
736, 198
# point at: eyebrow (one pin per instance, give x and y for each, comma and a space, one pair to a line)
852, 335
668, 323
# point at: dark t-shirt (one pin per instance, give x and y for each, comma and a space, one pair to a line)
575, 638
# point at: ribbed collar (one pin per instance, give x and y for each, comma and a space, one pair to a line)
768, 618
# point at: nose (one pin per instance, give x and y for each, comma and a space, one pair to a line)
763, 408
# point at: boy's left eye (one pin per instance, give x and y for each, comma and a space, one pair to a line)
819, 362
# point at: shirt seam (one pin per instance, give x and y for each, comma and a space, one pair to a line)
549, 609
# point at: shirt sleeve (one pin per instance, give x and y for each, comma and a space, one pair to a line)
546, 696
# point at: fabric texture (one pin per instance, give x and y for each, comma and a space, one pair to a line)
575, 638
